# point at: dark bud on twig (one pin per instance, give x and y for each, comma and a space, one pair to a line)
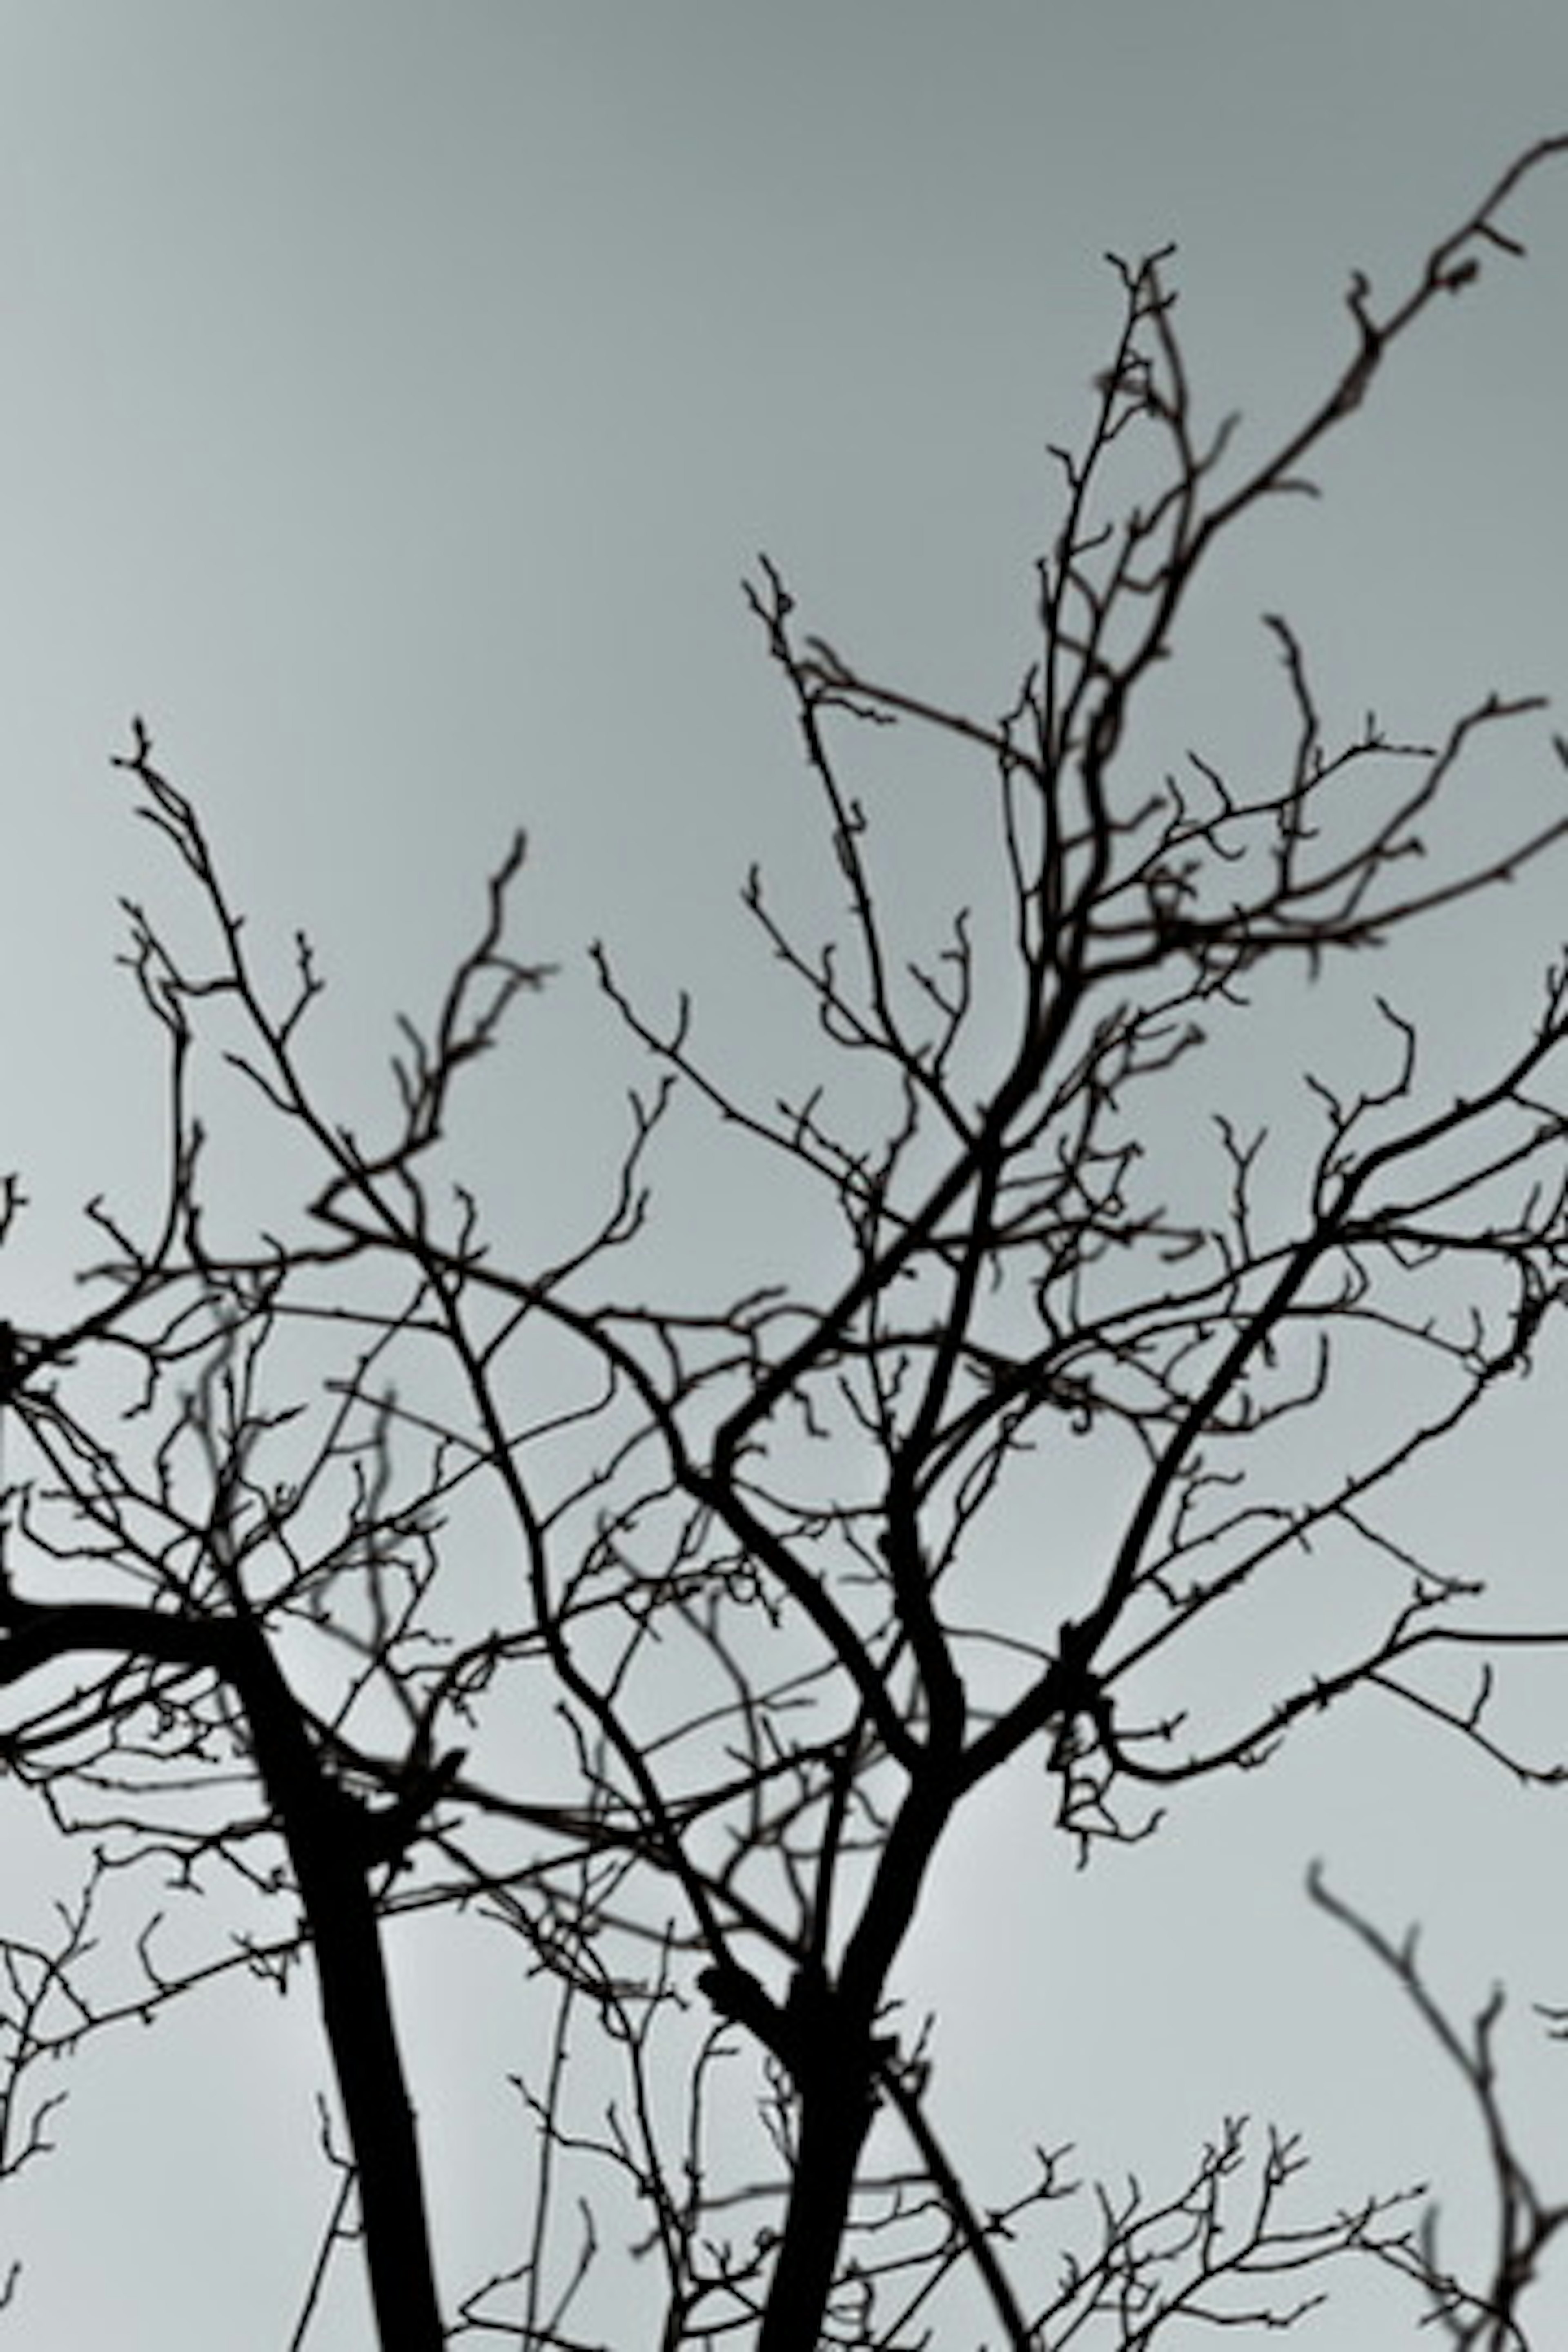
389, 1831
800, 2033
737, 1994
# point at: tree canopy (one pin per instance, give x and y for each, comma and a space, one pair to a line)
665, 1623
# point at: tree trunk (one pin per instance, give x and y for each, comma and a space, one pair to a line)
834, 2073
835, 2117
324, 1834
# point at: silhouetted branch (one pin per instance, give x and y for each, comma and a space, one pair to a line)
1484, 2318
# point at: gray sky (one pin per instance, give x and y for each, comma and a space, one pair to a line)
392, 398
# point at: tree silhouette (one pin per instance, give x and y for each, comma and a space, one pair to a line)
774, 1576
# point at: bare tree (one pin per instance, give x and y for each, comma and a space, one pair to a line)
742, 1652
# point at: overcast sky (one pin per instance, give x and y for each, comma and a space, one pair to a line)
392, 398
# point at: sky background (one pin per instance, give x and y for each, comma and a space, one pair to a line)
392, 398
